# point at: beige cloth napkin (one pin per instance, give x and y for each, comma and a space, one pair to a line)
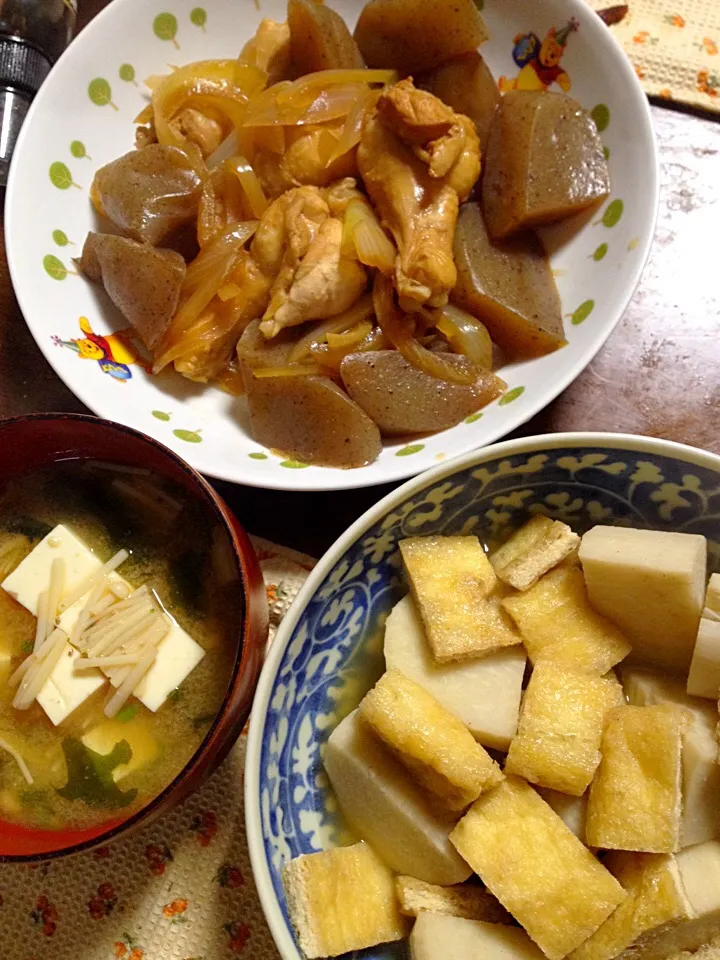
674, 47
182, 889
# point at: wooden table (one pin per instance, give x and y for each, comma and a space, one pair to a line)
658, 374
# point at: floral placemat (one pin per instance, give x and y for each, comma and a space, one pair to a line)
181, 889
674, 47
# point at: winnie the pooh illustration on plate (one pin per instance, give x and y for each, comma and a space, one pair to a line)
114, 353
539, 61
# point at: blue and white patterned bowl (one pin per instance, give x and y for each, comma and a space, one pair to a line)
328, 651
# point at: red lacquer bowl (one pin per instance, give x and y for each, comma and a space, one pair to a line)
28, 443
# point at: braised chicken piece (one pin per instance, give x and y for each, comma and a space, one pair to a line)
194, 126
142, 282
269, 50
299, 244
419, 160
149, 193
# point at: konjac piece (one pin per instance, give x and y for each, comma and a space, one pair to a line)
320, 39
544, 162
308, 418
401, 399
418, 160
149, 193
409, 35
143, 282
466, 85
509, 286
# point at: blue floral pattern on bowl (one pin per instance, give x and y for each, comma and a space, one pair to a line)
334, 651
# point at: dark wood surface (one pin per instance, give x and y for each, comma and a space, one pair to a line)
658, 374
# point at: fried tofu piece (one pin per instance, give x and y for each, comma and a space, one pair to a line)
469, 901
636, 798
341, 900
435, 746
673, 906
655, 901
454, 938
700, 769
451, 580
560, 728
651, 584
533, 550
484, 694
536, 867
557, 623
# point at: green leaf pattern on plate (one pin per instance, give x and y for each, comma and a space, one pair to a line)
613, 213
127, 73
410, 449
258, 456
582, 312
474, 417
198, 16
165, 27
161, 415
601, 116
189, 436
77, 149
100, 93
600, 252
61, 177
54, 267
294, 464
511, 395
60, 238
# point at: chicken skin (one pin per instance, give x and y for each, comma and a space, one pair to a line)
419, 160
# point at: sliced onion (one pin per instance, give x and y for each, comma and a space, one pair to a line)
360, 310
252, 188
466, 335
205, 275
339, 345
228, 148
289, 370
372, 245
303, 106
352, 129
400, 331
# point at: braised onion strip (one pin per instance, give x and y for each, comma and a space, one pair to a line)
400, 331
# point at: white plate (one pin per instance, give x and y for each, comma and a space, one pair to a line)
82, 119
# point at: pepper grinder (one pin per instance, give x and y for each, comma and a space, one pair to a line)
33, 34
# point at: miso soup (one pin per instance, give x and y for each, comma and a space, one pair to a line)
120, 606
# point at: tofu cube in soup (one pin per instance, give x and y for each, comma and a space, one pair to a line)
651, 584
540, 872
385, 807
483, 693
636, 798
451, 580
341, 900
436, 747
435, 935
561, 725
558, 623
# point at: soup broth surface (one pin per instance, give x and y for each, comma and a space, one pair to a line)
179, 549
